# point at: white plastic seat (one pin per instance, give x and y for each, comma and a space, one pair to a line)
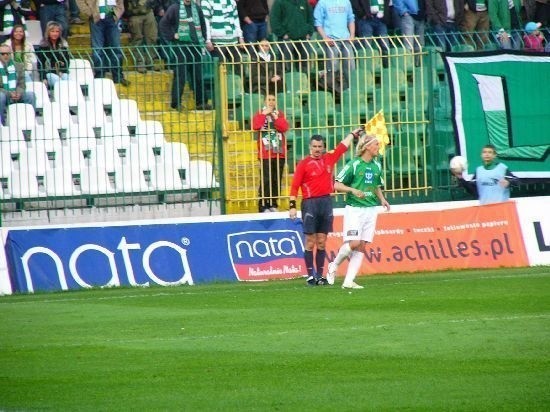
41, 92
168, 177
103, 91
95, 181
57, 116
68, 93
80, 70
21, 116
126, 113
92, 113
176, 154
129, 179
112, 153
201, 175
72, 154
25, 185
60, 182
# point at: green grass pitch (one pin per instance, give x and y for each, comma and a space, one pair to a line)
448, 341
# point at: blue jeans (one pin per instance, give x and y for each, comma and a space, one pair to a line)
54, 12
255, 31
373, 27
339, 57
107, 55
447, 35
74, 10
412, 28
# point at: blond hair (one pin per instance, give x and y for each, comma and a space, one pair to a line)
363, 142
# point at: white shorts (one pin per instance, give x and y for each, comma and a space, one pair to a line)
359, 223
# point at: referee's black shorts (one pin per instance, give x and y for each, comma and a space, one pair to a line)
317, 215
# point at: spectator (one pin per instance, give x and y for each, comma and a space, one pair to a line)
292, 22
533, 40
53, 10
253, 17
74, 13
313, 176
271, 126
504, 20
362, 180
445, 18
335, 23
371, 17
476, 19
265, 73
160, 7
23, 51
105, 36
412, 14
223, 30
143, 29
184, 33
11, 14
53, 55
542, 12
491, 181
12, 85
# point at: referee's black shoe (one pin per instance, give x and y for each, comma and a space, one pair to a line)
321, 281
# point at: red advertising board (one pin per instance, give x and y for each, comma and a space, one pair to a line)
472, 237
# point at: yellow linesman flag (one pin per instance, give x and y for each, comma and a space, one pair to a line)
377, 127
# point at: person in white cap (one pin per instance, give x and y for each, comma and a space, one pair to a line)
362, 180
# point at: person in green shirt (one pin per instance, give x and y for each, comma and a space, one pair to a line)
362, 180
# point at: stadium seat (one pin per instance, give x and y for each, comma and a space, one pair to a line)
235, 89
68, 93
321, 109
251, 103
292, 107
80, 70
21, 116
297, 83
41, 94
201, 175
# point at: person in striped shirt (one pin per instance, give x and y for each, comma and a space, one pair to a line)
223, 29
313, 176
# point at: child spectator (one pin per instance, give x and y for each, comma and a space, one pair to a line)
271, 126
533, 40
23, 51
265, 73
53, 55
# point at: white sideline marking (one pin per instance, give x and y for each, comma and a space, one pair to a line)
29, 299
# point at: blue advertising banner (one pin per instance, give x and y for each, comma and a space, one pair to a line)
146, 254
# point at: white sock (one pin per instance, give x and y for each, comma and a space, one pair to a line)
353, 267
343, 253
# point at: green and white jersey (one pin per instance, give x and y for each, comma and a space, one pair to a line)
365, 176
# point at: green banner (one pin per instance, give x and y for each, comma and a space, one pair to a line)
503, 98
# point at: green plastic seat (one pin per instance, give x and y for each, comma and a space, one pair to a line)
251, 103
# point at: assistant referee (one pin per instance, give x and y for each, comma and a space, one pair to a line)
314, 177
